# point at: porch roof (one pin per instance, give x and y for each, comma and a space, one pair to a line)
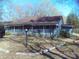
67, 26
33, 24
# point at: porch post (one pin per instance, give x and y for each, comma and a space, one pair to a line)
32, 30
23, 29
50, 30
43, 32
14, 29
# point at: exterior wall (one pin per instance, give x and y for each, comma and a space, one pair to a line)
41, 32
15, 31
58, 29
35, 32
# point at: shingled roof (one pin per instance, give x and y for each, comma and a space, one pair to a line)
49, 19
36, 20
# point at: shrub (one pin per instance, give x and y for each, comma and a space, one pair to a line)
64, 34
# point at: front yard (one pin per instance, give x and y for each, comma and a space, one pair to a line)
11, 45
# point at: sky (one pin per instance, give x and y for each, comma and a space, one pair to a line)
16, 9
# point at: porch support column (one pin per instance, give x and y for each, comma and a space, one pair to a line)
14, 29
32, 30
23, 29
51, 30
43, 32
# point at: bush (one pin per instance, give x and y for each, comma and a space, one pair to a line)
64, 34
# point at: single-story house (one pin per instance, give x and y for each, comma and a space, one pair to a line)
49, 26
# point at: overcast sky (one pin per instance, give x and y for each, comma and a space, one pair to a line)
62, 7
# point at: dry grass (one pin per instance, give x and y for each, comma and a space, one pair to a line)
15, 44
